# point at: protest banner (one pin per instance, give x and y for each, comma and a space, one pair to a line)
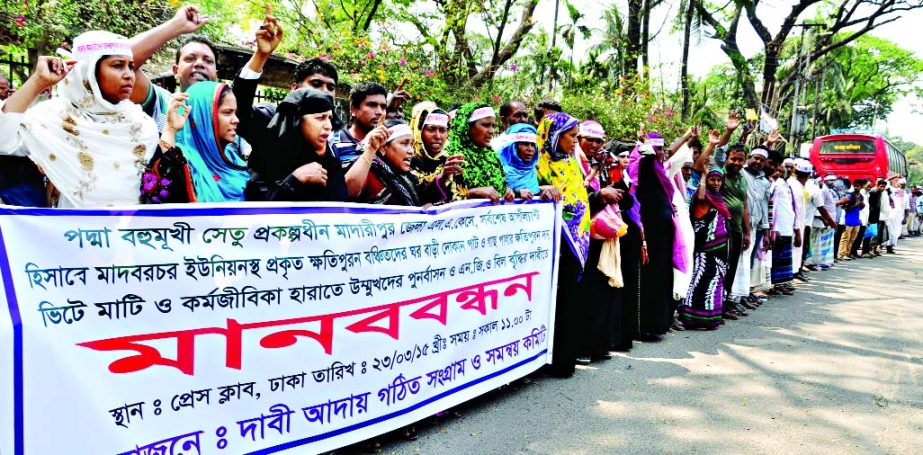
263, 329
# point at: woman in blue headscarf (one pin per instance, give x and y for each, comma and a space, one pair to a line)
201, 167
519, 157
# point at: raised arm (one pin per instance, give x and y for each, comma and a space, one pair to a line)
701, 165
732, 123
691, 133
268, 38
188, 19
48, 72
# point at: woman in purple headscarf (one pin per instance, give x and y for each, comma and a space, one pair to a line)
654, 191
557, 134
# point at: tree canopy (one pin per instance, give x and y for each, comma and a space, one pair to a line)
448, 50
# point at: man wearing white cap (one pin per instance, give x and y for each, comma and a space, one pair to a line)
908, 198
803, 170
896, 217
782, 225
823, 226
758, 206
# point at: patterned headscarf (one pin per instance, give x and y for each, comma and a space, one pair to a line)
560, 168
93, 151
425, 166
482, 167
715, 198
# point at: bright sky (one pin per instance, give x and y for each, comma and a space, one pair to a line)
667, 47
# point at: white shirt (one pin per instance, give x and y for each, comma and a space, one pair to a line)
798, 194
885, 213
815, 200
864, 213
783, 210
10, 141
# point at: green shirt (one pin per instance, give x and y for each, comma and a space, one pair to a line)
735, 196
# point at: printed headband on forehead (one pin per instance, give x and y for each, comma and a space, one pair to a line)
436, 120
521, 137
655, 140
592, 129
759, 152
481, 113
398, 131
90, 45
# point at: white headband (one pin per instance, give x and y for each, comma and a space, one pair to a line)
657, 142
759, 152
399, 130
592, 129
93, 44
436, 120
521, 137
481, 113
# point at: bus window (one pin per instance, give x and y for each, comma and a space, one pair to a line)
897, 163
848, 146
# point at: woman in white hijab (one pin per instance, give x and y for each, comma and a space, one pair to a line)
91, 141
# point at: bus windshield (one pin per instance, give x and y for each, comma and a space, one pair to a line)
848, 146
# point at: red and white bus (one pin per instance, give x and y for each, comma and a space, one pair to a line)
857, 155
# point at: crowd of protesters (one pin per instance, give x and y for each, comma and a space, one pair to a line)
660, 235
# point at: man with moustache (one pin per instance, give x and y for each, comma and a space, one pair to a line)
511, 113
785, 234
735, 196
796, 180
195, 60
758, 206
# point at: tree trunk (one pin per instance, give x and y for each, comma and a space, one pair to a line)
684, 67
635, 11
770, 67
645, 38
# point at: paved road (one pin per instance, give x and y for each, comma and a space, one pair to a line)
836, 369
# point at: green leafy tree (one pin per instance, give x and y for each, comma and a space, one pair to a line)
863, 80
40, 26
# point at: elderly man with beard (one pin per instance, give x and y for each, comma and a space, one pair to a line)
823, 207
896, 217
785, 234
758, 207
797, 180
